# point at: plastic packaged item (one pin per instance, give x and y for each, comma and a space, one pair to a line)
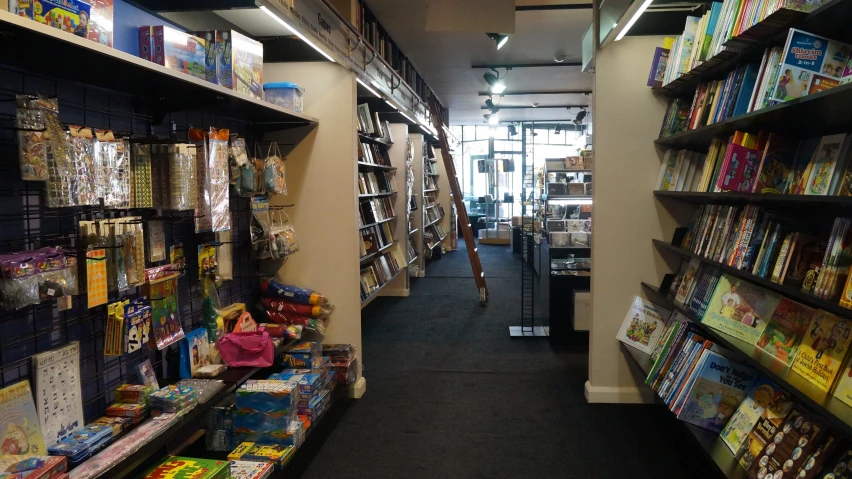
203, 220
282, 330
32, 141
205, 388
32, 467
207, 263
284, 94
281, 235
160, 176
183, 187
141, 161
127, 410
274, 178
62, 179
82, 144
274, 289
138, 323
318, 311
133, 393
20, 284
251, 469
117, 424
112, 170
57, 144
174, 399
162, 291
211, 370
314, 324
194, 352
302, 354
267, 396
147, 374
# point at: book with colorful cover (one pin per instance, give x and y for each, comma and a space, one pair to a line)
776, 168
810, 62
764, 399
643, 325
823, 164
250, 469
785, 330
765, 428
19, 423
739, 171
687, 284
790, 447
176, 467
719, 388
823, 349
740, 309
687, 44
658, 67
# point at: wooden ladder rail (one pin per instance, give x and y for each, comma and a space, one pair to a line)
458, 199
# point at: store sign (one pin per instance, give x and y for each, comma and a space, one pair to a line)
321, 25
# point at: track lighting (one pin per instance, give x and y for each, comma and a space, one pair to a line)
493, 119
512, 130
494, 81
633, 19
578, 120
558, 129
498, 38
490, 104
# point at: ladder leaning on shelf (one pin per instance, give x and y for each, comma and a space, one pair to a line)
458, 199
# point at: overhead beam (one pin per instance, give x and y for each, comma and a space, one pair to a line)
527, 65
563, 92
533, 107
564, 6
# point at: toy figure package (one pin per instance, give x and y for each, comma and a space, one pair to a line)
173, 49
207, 263
147, 374
32, 140
137, 325
183, 187
273, 289
194, 352
239, 63
163, 294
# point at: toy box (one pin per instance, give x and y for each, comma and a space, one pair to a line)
294, 436
302, 354
277, 454
239, 63
210, 57
267, 396
250, 469
133, 393
346, 371
284, 94
70, 16
32, 467
248, 421
186, 467
173, 49
100, 21
576, 189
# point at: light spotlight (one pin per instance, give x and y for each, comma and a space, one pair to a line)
493, 119
578, 120
490, 104
512, 130
558, 129
496, 84
498, 38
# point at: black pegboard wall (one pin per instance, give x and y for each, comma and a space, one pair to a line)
26, 223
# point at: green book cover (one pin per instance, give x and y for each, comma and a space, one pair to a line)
175, 467
740, 309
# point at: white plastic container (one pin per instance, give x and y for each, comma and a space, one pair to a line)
284, 94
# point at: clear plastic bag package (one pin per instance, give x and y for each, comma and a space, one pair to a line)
217, 171
203, 220
183, 186
112, 170
32, 138
82, 144
160, 176
141, 162
61, 189
273, 171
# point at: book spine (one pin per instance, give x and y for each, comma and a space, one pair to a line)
823, 270
708, 293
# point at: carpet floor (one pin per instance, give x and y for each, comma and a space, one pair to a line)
450, 395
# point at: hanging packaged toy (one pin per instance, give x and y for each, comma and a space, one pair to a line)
261, 223
114, 329
218, 180
32, 137
251, 180
162, 292
207, 264
112, 170
82, 144
274, 289
203, 221
20, 286
62, 181
194, 352
177, 257
282, 235
238, 155
96, 270
141, 161
183, 186
273, 171
160, 176
137, 325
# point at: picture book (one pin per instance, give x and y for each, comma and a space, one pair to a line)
687, 284
740, 309
250, 469
823, 164
658, 67
809, 63
176, 467
823, 349
60, 410
767, 425
678, 278
719, 388
147, 375
19, 425
841, 466
666, 355
643, 325
843, 390
739, 171
785, 330
762, 395
194, 352
776, 167
687, 43
790, 447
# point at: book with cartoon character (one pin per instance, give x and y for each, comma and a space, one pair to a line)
765, 428
831, 155
823, 349
643, 325
19, 424
740, 309
764, 399
194, 352
785, 330
790, 447
719, 388
810, 63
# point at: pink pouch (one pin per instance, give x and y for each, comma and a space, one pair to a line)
249, 349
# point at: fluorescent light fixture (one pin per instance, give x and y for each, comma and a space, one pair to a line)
409, 118
498, 87
633, 19
304, 39
392, 105
502, 42
368, 87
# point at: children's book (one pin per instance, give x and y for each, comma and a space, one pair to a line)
739, 171
776, 167
687, 284
666, 170
19, 425
719, 388
674, 322
829, 152
785, 330
658, 67
810, 63
250, 470
740, 309
767, 425
841, 466
823, 349
176, 467
687, 44
643, 325
763, 395
194, 352
790, 447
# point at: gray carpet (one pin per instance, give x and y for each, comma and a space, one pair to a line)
450, 395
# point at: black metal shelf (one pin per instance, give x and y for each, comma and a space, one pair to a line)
826, 113
710, 443
375, 195
365, 138
825, 404
822, 205
377, 167
377, 223
782, 289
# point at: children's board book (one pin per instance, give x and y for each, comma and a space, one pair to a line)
790, 447
785, 330
776, 168
740, 309
176, 467
763, 395
739, 170
658, 67
687, 283
766, 427
58, 392
823, 349
19, 425
810, 64
720, 387
643, 325
825, 161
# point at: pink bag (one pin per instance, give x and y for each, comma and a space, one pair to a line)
251, 349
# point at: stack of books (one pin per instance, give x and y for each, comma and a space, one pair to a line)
375, 238
373, 183
374, 210
377, 273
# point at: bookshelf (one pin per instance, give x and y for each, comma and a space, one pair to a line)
434, 214
417, 220
445, 198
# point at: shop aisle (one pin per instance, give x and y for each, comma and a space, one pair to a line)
450, 395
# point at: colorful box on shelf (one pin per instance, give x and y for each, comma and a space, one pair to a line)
185, 467
302, 354
270, 396
234, 61
32, 467
277, 454
130, 410
118, 424
294, 436
174, 49
133, 393
251, 469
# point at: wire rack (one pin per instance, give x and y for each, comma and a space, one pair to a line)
27, 223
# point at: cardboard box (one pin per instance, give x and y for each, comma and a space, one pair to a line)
239, 63
173, 49
70, 16
101, 21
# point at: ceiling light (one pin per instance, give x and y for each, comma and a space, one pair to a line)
535, 105
579, 118
368, 87
498, 87
633, 19
493, 119
304, 39
498, 38
392, 105
490, 104
494, 81
558, 129
487, 116
559, 58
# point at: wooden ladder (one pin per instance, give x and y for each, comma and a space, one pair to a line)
458, 199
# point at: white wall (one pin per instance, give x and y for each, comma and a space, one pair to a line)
625, 215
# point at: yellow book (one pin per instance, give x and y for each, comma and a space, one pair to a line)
668, 42
823, 349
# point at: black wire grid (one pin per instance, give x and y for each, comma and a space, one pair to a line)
26, 223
